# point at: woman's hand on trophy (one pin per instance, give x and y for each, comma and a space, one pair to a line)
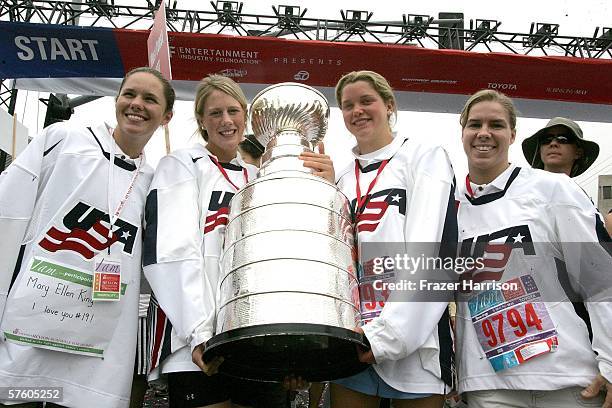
364, 355
209, 368
320, 163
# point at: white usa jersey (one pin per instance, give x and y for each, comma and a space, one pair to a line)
546, 228
54, 204
186, 214
412, 201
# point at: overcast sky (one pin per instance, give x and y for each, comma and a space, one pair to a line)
575, 18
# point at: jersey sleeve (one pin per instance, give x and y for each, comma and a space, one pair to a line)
173, 254
19, 187
588, 259
406, 322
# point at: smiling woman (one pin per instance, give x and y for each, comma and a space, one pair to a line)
387, 183
141, 107
71, 208
223, 122
531, 216
188, 203
489, 128
367, 107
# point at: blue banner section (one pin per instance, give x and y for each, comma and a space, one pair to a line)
42, 50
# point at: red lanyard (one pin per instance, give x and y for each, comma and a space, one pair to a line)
224, 173
112, 217
362, 202
130, 187
468, 186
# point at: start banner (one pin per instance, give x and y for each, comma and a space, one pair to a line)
49, 51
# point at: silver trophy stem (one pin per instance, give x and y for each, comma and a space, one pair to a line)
282, 153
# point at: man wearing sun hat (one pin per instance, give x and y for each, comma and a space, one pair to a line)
560, 147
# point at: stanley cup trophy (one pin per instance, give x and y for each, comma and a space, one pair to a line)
288, 299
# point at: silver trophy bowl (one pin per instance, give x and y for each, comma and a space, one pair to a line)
288, 298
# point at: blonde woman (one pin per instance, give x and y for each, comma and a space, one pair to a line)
401, 192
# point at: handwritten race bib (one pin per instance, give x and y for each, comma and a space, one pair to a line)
52, 307
513, 326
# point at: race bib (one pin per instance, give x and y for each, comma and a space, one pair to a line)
513, 326
372, 292
107, 277
52, 307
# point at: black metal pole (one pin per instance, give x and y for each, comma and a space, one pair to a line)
4, 156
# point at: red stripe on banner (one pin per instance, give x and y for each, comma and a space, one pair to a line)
132, 48
259, 60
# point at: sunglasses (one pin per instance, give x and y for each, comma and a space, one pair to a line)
561, 139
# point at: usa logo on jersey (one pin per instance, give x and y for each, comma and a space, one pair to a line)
218, 210
496, 249
377, 205
85, 230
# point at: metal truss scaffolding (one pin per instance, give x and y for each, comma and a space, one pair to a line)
355, 25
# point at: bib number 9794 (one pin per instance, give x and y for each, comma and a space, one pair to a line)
514, 322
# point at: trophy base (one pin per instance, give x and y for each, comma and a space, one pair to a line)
269, 352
